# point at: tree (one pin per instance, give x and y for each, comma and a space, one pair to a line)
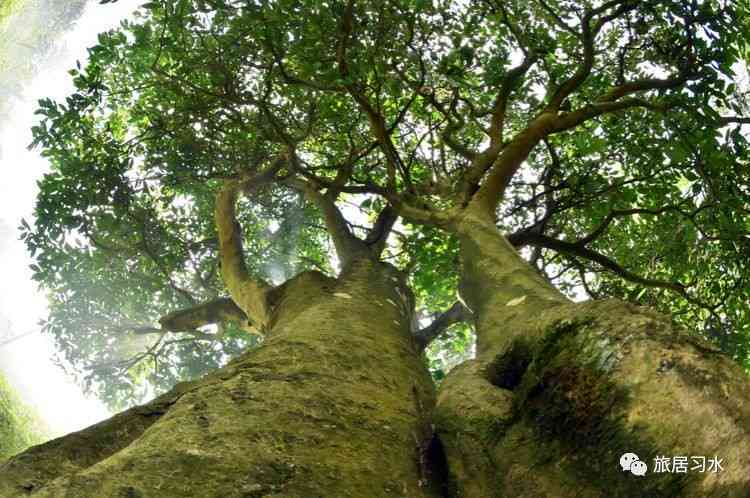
20, 426
27, 29
204, 163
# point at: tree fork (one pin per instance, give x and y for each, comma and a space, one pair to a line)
560, 390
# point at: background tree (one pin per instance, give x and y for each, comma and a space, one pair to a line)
20, 427
27, 28
212, 152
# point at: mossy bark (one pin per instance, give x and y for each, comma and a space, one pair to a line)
559, 391
333, 404
337, 402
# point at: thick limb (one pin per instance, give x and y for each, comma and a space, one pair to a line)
249, 293
455, 314
560, 390
217, 311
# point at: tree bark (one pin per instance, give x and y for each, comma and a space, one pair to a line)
337, 402
560, 390
334, 403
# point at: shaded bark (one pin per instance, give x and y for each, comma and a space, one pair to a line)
220, 310
332, 404
560, 390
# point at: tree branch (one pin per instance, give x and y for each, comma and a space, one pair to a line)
506, 164
570, 85
377, 122
378, 236
642, 85
579, 250
588, 36
558, 20
620, 213
725, 120
7, 341
570, 120
220, 310
455, 314
249, 293
348, 246
510, 82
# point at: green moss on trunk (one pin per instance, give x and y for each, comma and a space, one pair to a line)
335, 403
559, 391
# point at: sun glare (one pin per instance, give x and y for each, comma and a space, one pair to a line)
27, 360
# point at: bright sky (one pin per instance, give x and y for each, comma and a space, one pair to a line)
27, 361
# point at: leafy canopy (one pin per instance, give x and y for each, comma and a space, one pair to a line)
638, 190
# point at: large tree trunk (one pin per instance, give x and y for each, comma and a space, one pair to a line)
559, 391
333, 404
337, 403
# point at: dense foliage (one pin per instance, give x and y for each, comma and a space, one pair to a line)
642, 194
19, 426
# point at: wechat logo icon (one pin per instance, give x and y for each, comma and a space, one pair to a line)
630, 461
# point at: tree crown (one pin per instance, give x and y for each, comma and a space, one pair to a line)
605, 138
